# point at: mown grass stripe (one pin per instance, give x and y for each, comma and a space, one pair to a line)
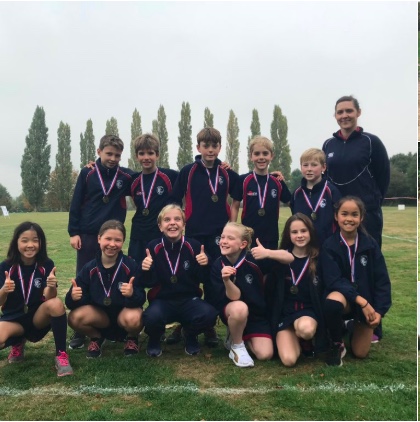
400, 238
92, 389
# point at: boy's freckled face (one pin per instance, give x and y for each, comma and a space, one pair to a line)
312, 170
109, 156
209, 152
147, 159
261, 157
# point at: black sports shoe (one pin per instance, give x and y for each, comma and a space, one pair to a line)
77, 340
335, 354
153, 348
307, 348
192, 346
95, 348
211, 338
131, 346
175, 336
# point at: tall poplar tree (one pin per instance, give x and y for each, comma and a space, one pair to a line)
135, 132
35, 164
87, 145
208, 118
282, 160
232, 142
112, 127
255, 130
155, 129
185, 155
63, 168
163, 138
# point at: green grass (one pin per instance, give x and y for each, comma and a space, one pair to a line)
209, 386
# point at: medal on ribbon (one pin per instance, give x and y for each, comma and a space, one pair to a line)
314, 210
173, 279
294, 289
351, 256
107, 300
146, 199
213, 189
261, 197
26, 292
105, 198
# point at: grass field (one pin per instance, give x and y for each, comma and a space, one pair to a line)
208, 386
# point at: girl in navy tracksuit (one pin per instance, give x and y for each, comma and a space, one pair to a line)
295, 292
174, 267
241, 298
356, 281
28, 297
106, 299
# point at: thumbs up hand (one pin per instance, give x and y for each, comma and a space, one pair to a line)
76, 292
259, 252
9, 284
202, 258
127, 288
147, 262
52, 279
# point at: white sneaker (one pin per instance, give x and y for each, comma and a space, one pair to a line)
228, 339
240, 356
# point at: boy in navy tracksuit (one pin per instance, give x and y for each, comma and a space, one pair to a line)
99, 196
316, 196
261, 194
205, 186
151, 191
174, 267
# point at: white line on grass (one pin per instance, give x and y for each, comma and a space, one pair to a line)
400, 238
93, 389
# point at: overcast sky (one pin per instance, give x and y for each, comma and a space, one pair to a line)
95, 60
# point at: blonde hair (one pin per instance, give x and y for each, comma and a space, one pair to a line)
165, 209
246, 232
262, 141
313, 154
147, 141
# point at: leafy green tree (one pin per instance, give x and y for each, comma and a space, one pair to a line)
163, 137
135, 132
403, 180
232, 142
35, 164
295, 180
5, 198
185, 155
255, 130
112, 127
52, 199
87, 145
282, 160
63, 168
208, 118
155, 129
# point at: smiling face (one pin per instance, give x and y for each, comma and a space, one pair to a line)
261, 158
346, 115
172, 224
209, 152
312, 171
111, 242
28, 246
299, 235
147, 159
110, 156
231, 242
349, 218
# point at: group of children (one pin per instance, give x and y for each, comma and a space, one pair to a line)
198, 263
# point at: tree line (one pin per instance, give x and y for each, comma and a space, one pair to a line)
44, 189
